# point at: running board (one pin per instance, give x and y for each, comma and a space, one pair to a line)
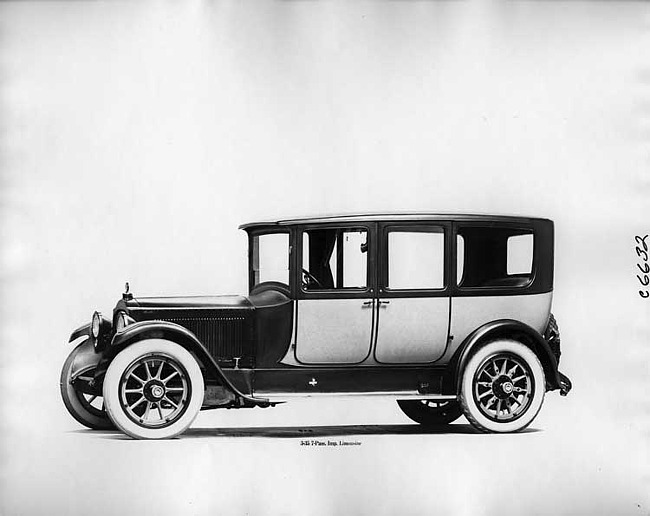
277, 397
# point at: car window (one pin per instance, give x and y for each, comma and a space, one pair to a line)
460, 258
271, 258
416, 259
494, 257
520, 254
334, 258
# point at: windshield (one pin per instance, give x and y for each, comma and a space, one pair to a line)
270, 258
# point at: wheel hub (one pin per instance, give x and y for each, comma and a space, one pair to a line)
502, 387
154, 390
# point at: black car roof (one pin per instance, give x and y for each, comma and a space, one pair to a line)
391, 217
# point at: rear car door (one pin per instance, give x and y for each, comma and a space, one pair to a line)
413, 295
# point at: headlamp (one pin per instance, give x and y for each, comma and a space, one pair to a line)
96, 324
122, 321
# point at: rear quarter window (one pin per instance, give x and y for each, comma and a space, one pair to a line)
520, 254
494, 257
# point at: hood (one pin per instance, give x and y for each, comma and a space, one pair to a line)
231, 302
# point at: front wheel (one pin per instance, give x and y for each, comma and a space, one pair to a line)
153, 389
431, 412
503, 387
88, 409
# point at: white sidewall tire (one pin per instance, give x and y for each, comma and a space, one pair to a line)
112, 387
474, 414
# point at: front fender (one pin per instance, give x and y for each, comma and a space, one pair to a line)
84, 353
180, 335
508, 328
80, 332
85, 358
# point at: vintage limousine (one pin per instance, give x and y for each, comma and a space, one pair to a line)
448, 315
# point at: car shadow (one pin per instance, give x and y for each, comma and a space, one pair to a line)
303, 432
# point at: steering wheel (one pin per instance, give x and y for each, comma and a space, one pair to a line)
310, 279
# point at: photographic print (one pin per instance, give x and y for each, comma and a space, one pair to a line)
324, 257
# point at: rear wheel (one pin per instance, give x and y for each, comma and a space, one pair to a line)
431, 412
88, 409
503, 387
153, 389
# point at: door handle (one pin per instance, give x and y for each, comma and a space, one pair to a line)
366, 303
380, 302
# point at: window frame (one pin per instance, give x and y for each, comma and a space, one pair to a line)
417, 227
349, 292
459, 290
269, 231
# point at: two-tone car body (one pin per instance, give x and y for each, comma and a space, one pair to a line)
448, 314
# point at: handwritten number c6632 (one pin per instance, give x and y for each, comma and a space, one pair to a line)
643, 252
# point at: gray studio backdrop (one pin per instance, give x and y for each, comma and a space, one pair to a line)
136, 136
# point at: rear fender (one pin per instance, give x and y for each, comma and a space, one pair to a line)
183, 337
510, 329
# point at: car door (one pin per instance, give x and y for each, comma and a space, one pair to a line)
413, 295
335, 306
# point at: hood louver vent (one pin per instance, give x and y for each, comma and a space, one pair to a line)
227, 336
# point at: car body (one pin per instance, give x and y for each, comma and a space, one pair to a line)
448, 314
